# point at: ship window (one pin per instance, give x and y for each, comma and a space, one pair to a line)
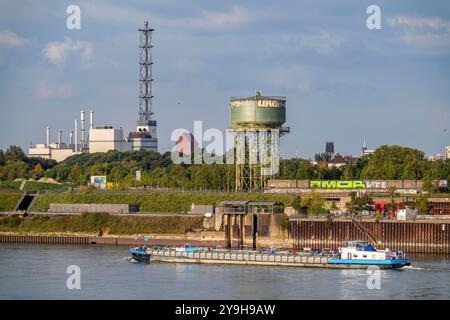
364, 255
355, 256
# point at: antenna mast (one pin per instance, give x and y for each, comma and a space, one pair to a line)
145, 80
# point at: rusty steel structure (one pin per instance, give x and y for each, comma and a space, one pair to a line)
409, 236
235, 212
44, 239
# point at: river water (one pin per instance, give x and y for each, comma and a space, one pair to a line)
39, 272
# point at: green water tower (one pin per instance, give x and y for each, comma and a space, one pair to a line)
257, 123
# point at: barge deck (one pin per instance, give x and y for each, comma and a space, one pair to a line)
249, 258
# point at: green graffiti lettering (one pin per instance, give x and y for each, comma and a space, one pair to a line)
344, 184
358, 184
329, 184
314, 184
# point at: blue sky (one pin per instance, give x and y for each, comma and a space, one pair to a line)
343, 82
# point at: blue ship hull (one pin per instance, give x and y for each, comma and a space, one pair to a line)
140, 256
393, 263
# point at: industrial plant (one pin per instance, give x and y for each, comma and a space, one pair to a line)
105, 138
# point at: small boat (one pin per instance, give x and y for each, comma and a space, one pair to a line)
360, 253
140, 254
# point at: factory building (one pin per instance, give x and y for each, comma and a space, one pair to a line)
106, 138
145, 136
56, 151
98, 139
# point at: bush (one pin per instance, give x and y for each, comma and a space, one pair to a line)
92, 222
155, 201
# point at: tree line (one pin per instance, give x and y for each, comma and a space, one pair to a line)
158, 170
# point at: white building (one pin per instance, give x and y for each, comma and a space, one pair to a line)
436, 157
56, 151
447, 153
144, 138
106, 138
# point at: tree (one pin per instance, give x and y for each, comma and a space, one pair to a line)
296, 203
359, 203
325, 157
15, 153
13, 169
315, 203
393, 194
393, 162
75, 176
429, 185
2, 158
38, 170
423, 205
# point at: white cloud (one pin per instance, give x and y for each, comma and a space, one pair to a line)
323, 43
11, 39
108, 13
435, 23
57, 52
426, 33
44, 90
207, 20
221, 20
427, 39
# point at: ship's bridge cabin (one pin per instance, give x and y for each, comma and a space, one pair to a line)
360, 249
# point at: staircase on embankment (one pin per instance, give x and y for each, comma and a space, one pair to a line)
26, 201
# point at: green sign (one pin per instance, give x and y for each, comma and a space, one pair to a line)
337, 184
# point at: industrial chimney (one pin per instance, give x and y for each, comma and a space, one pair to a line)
48, 137
76, 135
59, 138
82, 130
91, 120
71, 139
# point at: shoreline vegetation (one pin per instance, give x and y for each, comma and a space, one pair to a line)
92, 222
161, 201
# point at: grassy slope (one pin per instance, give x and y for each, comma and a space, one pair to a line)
92, 222
154, 201
32, 186
8, 200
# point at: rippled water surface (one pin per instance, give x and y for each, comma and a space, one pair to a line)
39, 272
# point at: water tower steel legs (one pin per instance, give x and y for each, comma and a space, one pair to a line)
257, 158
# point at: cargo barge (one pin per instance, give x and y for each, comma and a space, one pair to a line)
369, 256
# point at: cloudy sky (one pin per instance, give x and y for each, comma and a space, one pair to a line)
343, 82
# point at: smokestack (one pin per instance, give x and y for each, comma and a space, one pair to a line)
59, 138
48, 137
71, 139
82, 129
91, 120
76, 135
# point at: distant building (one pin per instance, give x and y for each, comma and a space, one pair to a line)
329, 148
106, 138
436, 157
339, 161
447, 153
365, 151
55, 151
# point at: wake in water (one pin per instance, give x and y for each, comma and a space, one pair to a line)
128, 259
424, 269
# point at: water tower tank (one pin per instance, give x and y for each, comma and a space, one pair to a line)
258, 112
